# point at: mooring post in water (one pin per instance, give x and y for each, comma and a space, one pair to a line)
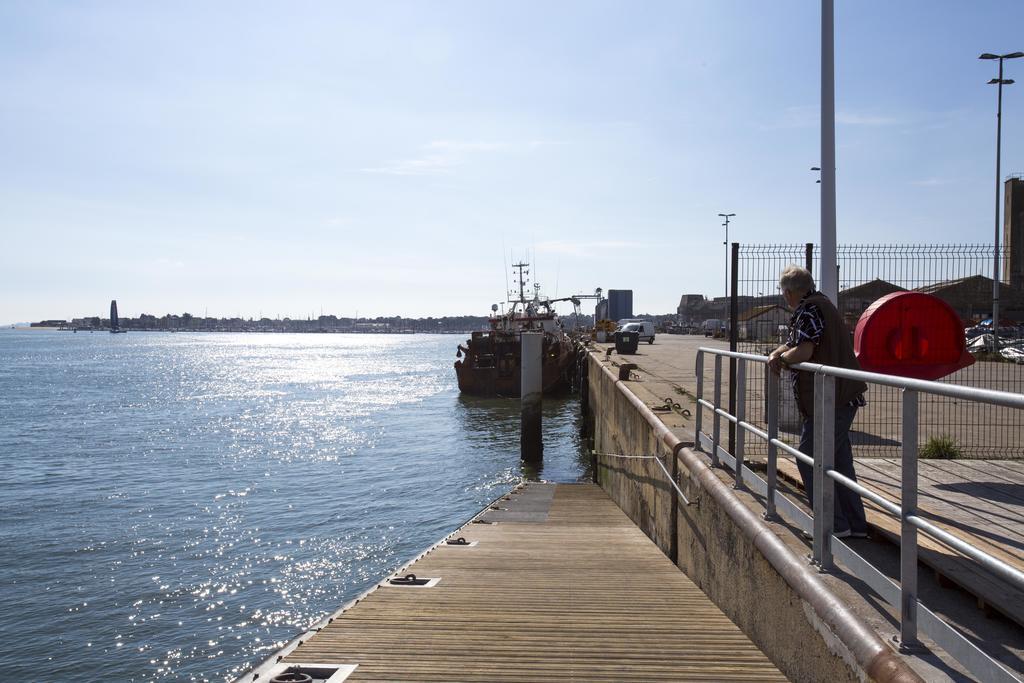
530, 389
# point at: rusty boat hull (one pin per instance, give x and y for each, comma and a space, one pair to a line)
491, 365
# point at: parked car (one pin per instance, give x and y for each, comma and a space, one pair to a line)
1005, 331
644, 327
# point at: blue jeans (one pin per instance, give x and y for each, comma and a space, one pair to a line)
849, 509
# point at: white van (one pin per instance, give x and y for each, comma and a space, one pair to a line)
644, 327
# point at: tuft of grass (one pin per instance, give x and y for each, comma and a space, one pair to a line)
990, 357
941, 447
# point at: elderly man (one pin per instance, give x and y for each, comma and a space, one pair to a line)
817, 334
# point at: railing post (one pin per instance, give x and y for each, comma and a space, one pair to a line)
773, 433
717, 430
698, 421
828, 463
741, 415
908, 532
674, 525
824, 457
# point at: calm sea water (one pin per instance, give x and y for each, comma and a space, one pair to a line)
177, 506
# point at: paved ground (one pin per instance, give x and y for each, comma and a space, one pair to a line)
985, 432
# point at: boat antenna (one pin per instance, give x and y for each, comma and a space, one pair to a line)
504, 262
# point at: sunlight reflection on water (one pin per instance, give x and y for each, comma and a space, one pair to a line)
183, 504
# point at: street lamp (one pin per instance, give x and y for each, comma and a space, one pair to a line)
726, 216
816, 168
999, 130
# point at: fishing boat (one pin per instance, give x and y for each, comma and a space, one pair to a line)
489, 362
115, 323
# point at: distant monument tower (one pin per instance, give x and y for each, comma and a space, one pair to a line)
115, 324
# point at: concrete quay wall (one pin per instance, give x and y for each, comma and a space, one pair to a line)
723, 546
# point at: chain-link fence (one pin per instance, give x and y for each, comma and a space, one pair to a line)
958, 274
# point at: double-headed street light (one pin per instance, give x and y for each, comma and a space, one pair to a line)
999, 130
726, 216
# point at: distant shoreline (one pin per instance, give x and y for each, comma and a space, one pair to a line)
186, 331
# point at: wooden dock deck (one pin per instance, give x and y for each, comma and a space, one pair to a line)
561, 587
981, 502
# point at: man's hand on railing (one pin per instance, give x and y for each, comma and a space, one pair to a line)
785, 356
775, 363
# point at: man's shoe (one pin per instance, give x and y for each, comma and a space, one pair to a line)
846, 533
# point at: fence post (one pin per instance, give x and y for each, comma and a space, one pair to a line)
809, 257
698, 421
716, 432
741, 415
908, 532
824, 458
734, 330
773, 433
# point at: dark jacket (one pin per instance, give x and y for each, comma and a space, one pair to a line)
836, 349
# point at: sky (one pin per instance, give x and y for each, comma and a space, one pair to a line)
392, 158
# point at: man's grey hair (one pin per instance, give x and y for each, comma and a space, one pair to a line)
796, 279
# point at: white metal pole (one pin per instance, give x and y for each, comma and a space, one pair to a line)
726, 243
530, 391
829, 277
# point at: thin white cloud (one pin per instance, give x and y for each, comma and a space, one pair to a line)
536, 144
810, 116
456, 146
847, 118
431, 164
584, 248
441, 157
931, 182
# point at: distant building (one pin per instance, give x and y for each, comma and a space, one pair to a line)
762, 323
694, 309
689, 303
620, 304
971, 298
853, 301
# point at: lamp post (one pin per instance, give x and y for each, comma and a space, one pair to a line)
1000, 82
726, 216
828, 276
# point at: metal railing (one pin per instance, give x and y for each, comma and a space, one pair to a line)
904, 596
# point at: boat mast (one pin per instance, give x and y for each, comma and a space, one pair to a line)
522, 281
